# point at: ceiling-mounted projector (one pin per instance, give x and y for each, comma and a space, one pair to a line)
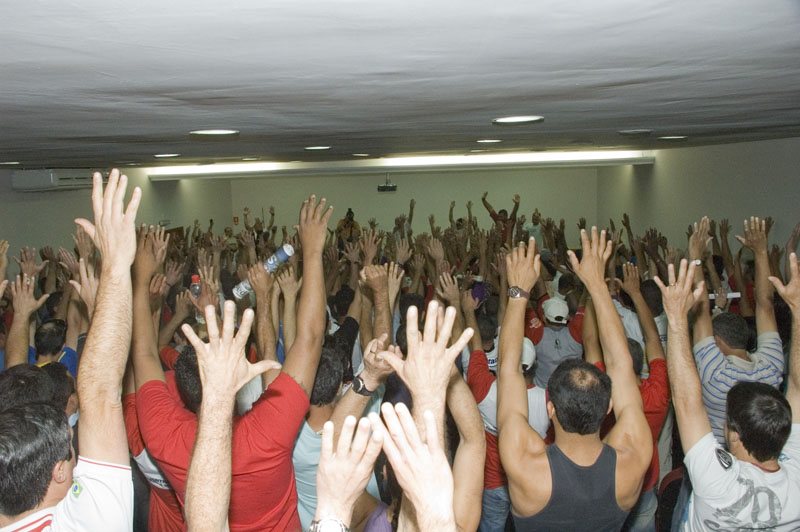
388, 186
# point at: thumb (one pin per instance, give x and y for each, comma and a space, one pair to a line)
75, 284
777, 283
263, 366
41, 300
393, 360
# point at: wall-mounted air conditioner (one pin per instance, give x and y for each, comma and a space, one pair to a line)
49, 179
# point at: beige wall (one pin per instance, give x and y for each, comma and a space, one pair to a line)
46, 218
731, 180
568, 192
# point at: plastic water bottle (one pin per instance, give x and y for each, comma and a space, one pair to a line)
280, 256
195, 289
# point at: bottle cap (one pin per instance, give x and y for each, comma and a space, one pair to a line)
195, 279
288, 249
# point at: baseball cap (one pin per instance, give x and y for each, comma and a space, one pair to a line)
555, 310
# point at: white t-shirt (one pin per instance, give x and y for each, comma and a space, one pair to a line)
732, 495
101, 498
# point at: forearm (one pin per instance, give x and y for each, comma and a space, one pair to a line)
611, 333
50, 280
168, 330
17, 342
209, 478
510, 348
687, 394
351, 404
648, 323
383, 314
63, 305
475, 343
311, 310
763, 286
289, 322
143, 343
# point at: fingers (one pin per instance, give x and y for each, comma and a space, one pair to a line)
196, 342
240, 341
327, 442
412, 327
462, 341
346, 436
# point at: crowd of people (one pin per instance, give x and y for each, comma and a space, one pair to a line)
463, 378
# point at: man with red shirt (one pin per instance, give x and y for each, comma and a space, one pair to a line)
263, 495
654, 390
483, 384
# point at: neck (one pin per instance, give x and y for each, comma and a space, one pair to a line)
740, 353
318, 415
581, 449
42, 359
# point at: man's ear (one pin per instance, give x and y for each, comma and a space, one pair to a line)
59, 473
551, 410
610, 406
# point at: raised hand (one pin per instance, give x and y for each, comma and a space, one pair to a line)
375, 277
724, 228
25, 302
48, 255
755, 234
343, 473
160, 243
69, 262
3, 258
352, 253
626, 221
419, 464
288, 283
596, 251
523, 266
158, 290
515, 199
312, 226
447, 289
369, 246
396, 274
435, 250
469, 303
581, 224
174, 272
209, 275
87, 287
678, 296
373, 223
699, 239
376, 369
113, 231
222, 364
27, 262
426, 369
630, 281
790, 292
768, 223
146, 262
402, 251
183, 304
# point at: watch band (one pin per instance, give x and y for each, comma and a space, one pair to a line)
515, 292
360, 388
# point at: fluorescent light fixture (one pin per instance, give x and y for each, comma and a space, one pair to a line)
635, 132
477, 151
488, 141
409, 164
361, 155
250, 158
317, 148
510, 120
10, 162
166, 155
214, 132
673, 137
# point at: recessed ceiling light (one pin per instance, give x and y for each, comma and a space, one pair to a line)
488, 141
214, 132
511, 120
317, 148
166, 155
361, 155
635, 132
10, 162
673, 137
250, 158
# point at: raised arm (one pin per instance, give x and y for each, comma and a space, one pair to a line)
698, 241
289, 285
469, 305
303, 357
25, 304
791, 294
144, 348
486, 203
262, 284
632, 286
755, 238
631, 435
687, 394
516, 437
223, 369
470, 455
591, 339
183, 308
102, 428
376, 278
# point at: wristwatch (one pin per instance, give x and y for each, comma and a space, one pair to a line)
515, 292
360, 388
328, 524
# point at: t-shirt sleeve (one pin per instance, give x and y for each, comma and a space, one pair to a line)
709, 359
279, 413
168, 356
770, 351
713, 470
659, 380
135, 443
791, 449
69, 358
534, 328
479, 378
101, 498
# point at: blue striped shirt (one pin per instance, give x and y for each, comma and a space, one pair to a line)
719, 373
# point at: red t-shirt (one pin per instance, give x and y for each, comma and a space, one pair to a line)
168, 356
165, 510
263, 493
655, 398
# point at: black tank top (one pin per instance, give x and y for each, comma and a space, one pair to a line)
583, 498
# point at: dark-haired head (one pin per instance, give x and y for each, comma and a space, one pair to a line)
50, 337
23, 384
732, 329
328, 380
187, 378
760, 417
34, 438
580, 394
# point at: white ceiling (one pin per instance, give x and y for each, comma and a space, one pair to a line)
99, 82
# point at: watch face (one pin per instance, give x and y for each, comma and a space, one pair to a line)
513, 291
358, 384
329, 524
